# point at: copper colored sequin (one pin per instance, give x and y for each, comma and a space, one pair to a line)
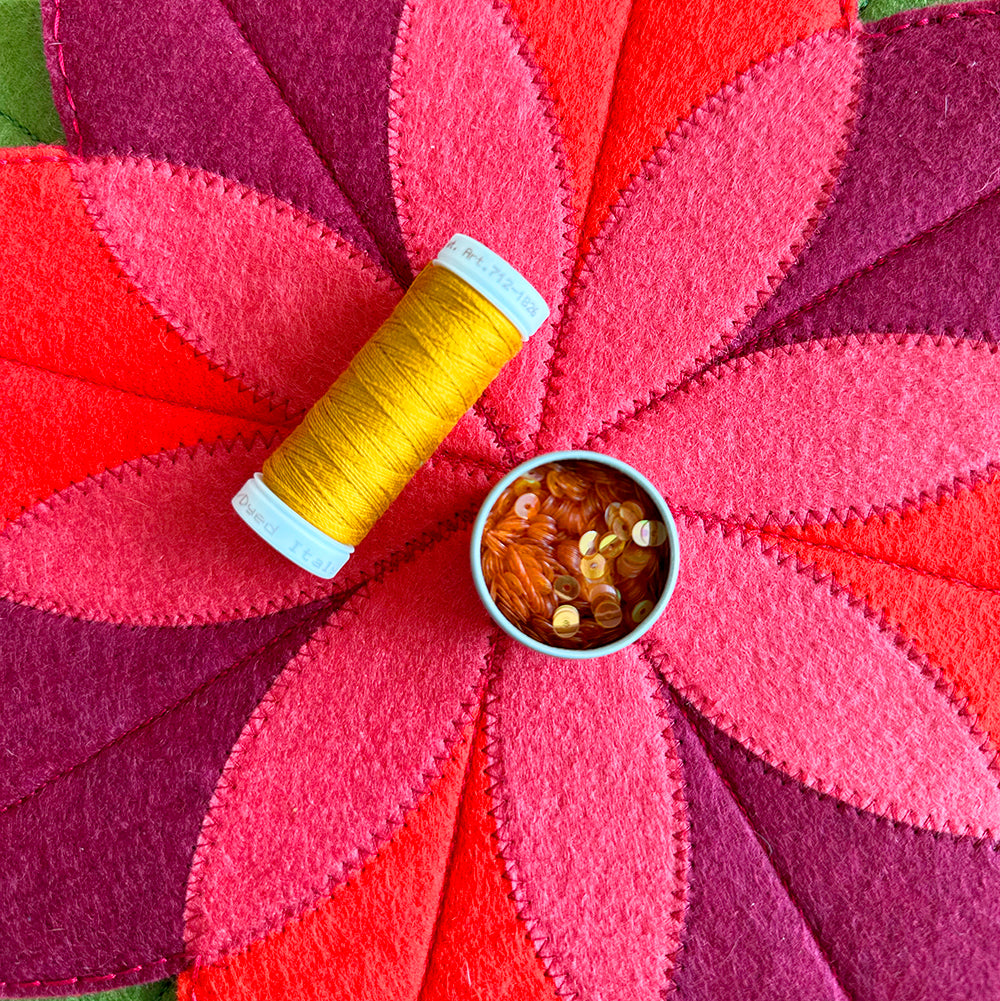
563, 566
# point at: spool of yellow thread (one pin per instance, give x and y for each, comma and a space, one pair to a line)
464, 317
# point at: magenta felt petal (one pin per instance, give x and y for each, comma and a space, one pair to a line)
476, 151
694, 241
267, 292
815, 686
344, 744
185, 85
927, 146
590, 818
96, 856
821, 429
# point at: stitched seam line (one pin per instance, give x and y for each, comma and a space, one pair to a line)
925, 22
60, 59
782, 877
18, 125
307, 135
92, 979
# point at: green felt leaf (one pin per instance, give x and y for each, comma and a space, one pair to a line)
875, 10
160, 990
27, 115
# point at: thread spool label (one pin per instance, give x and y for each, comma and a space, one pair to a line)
499, 275
249, 513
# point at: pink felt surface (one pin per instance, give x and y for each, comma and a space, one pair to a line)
262, 289
596, 852
699, 235
749, 642
343, 745
822, 429
475, 151
154, 541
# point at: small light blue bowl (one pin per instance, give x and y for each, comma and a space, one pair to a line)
477, 567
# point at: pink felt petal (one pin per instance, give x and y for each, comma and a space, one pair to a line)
591, 819
153, 541
816, 687
822, 429
699, 236
342, 746
474, 151
264, 290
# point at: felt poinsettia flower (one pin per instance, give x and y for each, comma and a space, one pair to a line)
768, 241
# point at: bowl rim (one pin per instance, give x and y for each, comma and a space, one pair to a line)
480, 582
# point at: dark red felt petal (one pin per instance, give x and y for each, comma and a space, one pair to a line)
899, 912
910, 237
289, 98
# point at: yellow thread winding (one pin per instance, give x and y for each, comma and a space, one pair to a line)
395, 403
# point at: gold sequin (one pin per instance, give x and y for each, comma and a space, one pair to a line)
610, 546
593, 567
608, 613
527, 506
588, 543
527, 484
630, 513
611, 512
566, 588
641, 611
566, 621
649, 533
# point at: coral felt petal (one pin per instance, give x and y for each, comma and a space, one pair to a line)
474, 152
927, 146
119, 827
186, 85
817, 687
695, 239
482, 949
674, 54
155, 541
267, 292
823, 427
934, 574
898, 912
339, 750
369, 939
590, 818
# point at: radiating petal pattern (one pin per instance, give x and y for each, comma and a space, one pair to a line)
596, 853
693, 242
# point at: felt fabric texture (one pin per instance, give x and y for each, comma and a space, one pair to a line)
932, 573
158, 990
261, 290
597, 854
741, 921
128, 863
368, 937
332, 855
823, 430
377, 727
736, 189
462, 82
861, 719
919, 180
898, 911
27, 113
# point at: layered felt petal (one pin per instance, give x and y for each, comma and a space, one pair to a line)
265, 291
474, 151
343, 746
897, 912
118, 789
238, 89
110, 380
815, 686
696, 238
371, 936
909, 235
934, 573
820, 429
590, 818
